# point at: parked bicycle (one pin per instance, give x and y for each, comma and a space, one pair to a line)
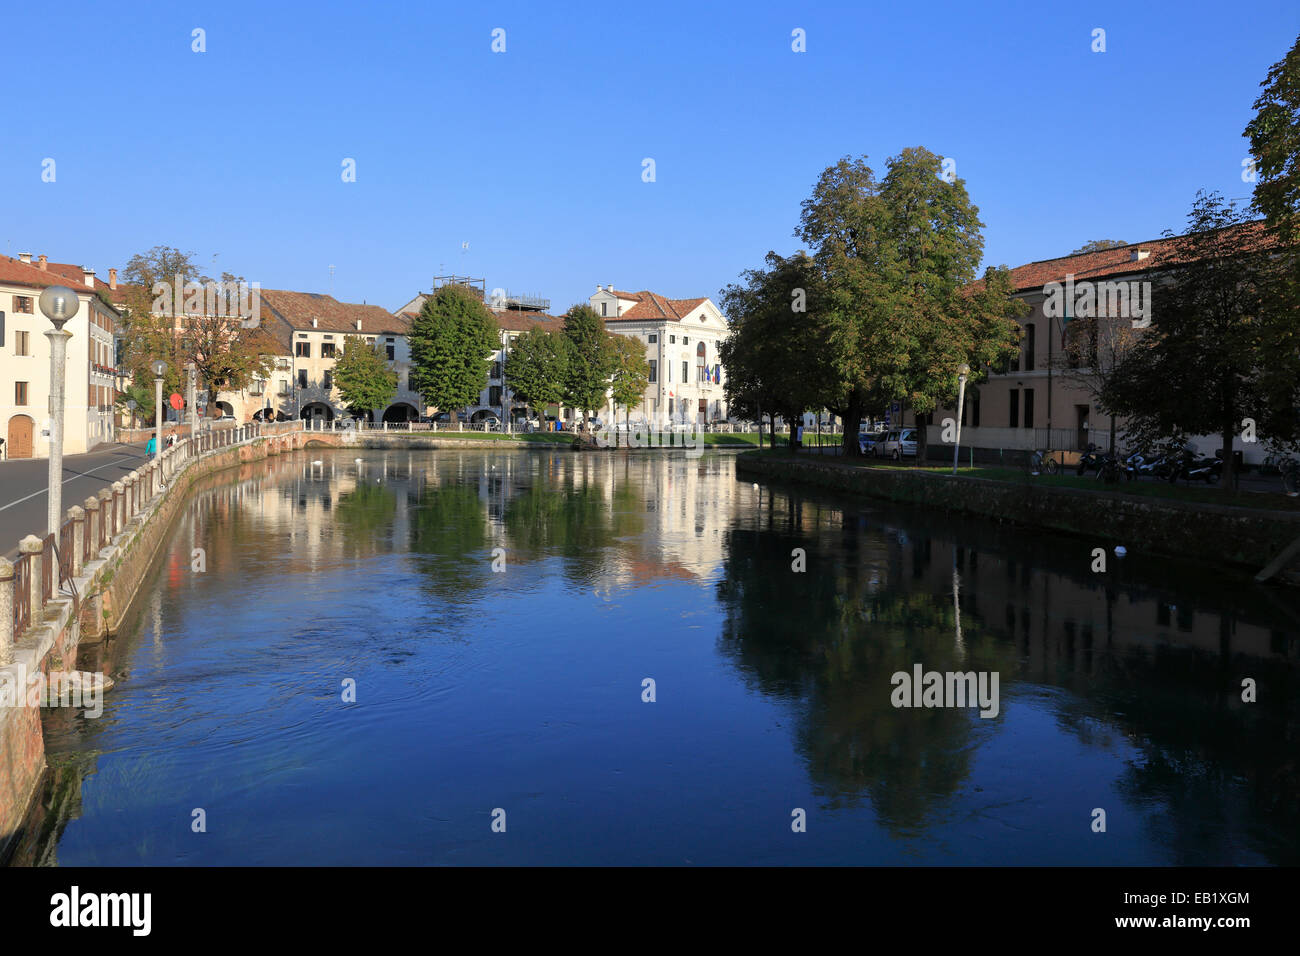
1042, 462
1289, 468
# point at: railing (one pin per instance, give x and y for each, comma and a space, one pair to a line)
87, 531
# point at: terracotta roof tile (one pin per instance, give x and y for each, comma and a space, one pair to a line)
1107, 262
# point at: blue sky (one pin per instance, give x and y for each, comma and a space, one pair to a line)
534, 156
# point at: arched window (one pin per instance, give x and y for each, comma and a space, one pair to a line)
699, 362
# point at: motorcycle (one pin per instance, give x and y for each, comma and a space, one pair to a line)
1090, 459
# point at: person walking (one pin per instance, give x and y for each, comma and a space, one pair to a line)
151, 449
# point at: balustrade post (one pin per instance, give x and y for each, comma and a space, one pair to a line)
92, 526
6, 612
107, 504
119, 499
132, 482
78, 517
33, 546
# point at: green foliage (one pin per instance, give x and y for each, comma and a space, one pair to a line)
897, 259
1274, 135
143, 395
778, 345
590, 359
536, 368
363, 377
451, 341
631, 373
1097, 245
1221, 341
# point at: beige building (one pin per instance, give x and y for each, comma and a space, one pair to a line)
91, 378
1040, 401
311, 329
681, 337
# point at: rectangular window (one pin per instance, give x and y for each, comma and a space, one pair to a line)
602, 308
20, 393
1014, 421
686, 340
1030, 345
302, 349
20, 343
392, 351
1029, 408
672, 340
302, 378
670, 407
284, 386
390, 339
327, 350
686, 371
654, 371
494, 396
23, 304
496, 371
653, 338
329, 380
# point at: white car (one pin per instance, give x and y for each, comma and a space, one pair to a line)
898, 444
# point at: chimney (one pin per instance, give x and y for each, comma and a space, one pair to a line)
25, 257
112, 279
89, 276
600, 288
1138, 255
43, 263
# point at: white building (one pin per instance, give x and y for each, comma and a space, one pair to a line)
681, 337
90, 382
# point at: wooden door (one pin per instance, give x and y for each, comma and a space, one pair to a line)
20, 437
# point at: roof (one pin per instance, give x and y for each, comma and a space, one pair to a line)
297, 309
1161, 253
655, 307
519, 320
16, 272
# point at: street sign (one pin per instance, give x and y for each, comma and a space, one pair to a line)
176, 401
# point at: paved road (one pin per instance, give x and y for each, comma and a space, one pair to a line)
23, 486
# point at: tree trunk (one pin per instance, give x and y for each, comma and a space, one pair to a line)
1228, 480
922, 437
852, 422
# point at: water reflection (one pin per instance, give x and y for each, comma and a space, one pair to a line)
522, 685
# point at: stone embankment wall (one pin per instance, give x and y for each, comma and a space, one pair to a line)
1248, 538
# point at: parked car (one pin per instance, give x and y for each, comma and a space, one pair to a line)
225, 418
446, 418
867, 441
490, 423
898, 444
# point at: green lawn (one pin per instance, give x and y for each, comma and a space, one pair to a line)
1143, 487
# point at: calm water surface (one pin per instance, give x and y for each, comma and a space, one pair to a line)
521, 689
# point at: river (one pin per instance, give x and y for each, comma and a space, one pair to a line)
449, 657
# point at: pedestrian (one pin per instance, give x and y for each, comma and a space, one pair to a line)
151, 448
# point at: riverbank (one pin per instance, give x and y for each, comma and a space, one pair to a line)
1246, 538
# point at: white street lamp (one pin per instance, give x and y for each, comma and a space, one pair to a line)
963, 370
59, 304
159, 367
192, 398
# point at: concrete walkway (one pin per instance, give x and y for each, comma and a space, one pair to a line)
24, 482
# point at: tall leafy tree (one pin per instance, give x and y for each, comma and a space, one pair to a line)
590, 359
226, 354
451, 341
899, 258
1274, 135
777, 346
362, 376
631, 374
536, 369
1205, 363
1094, 349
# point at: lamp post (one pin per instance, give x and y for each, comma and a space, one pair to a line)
963, 370
191, 398
59, 304
159, 366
